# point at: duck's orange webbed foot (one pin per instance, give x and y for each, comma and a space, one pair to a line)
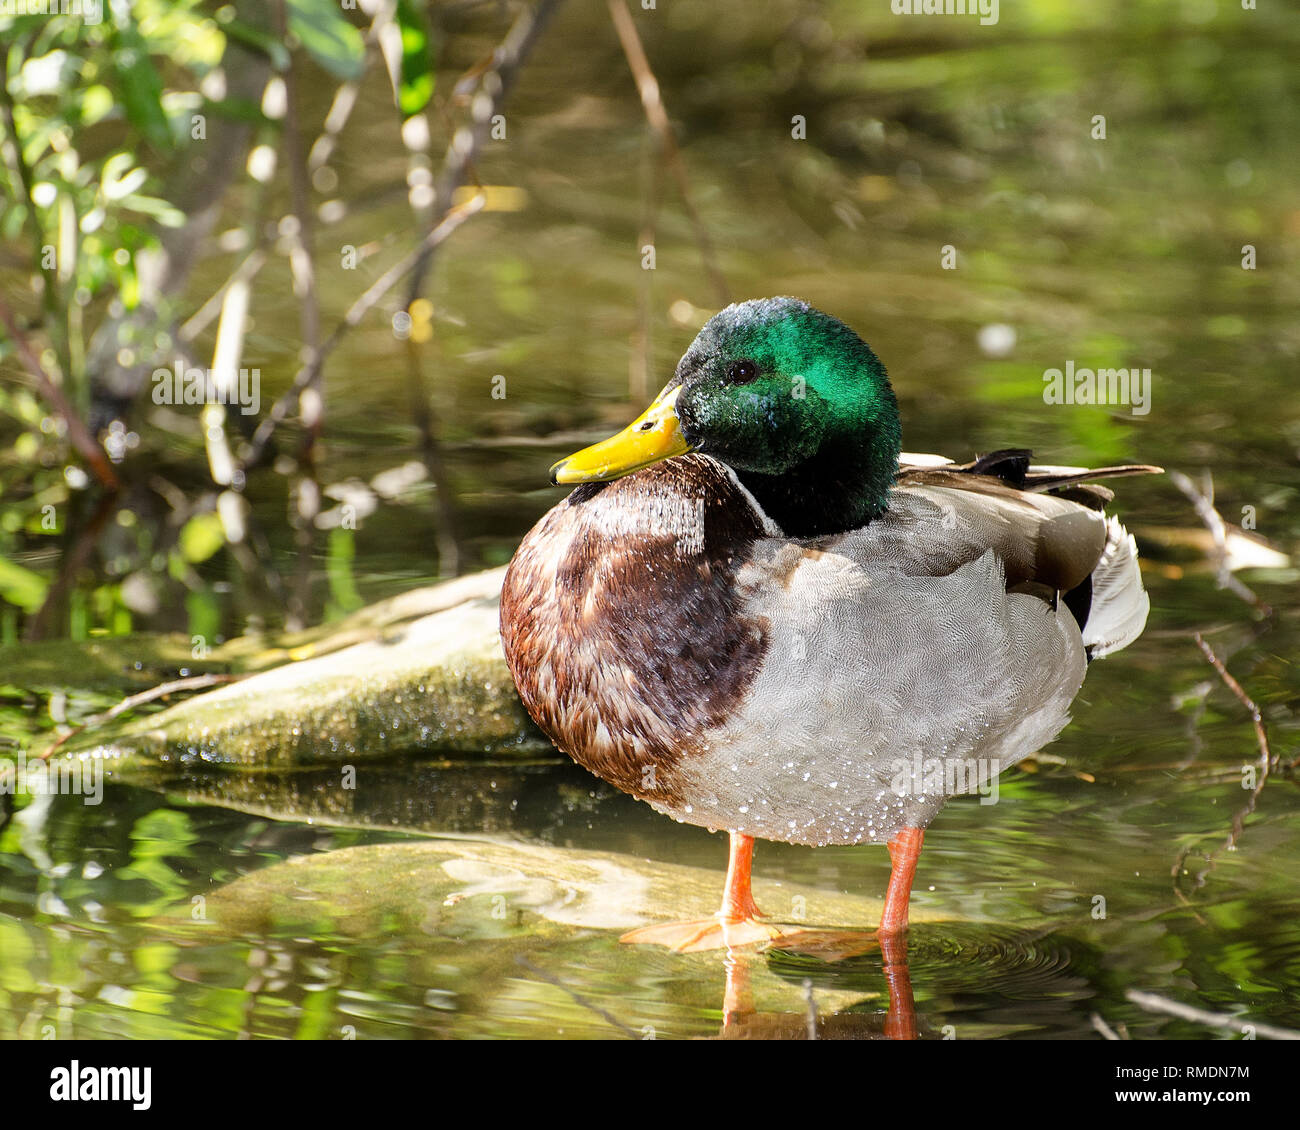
705, 934
736, 924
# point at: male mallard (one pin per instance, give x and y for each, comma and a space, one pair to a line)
753, 616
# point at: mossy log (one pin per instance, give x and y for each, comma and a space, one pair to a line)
421, 675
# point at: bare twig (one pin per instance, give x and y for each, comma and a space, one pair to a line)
1203, 502
1235, 687
578, 998
1153, 1003
1265, 756
652, 102
428, 211
1101, 1026
1266, 763
356, 312
199, 321
345, 99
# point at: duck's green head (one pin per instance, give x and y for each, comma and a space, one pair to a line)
790, 398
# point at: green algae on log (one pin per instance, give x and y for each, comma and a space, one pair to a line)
435, 684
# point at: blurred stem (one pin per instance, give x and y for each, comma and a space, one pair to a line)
423, 411
652, 102
56, 327
357, 311
89, 449
71, 565
311, 400
639, 362
446, 531
494, 81
202, 318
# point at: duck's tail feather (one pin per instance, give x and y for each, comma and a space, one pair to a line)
1119, 605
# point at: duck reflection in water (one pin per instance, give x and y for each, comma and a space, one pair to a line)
740, 1021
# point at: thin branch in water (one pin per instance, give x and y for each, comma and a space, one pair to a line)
652, 102
1100, 1025
578, 998
1266, 758
1202, 501
1266, 763
1150, 1002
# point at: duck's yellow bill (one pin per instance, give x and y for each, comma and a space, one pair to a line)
652, 436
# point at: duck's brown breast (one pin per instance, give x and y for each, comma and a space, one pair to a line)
622, 627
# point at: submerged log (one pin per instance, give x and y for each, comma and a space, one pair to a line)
457, 887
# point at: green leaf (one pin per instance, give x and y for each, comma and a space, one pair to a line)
416, 85
327, 37
166, 214
201, 537
21, 586
96, 104
344, 597
204, 612
141, 87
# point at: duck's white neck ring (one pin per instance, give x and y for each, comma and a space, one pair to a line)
769, 526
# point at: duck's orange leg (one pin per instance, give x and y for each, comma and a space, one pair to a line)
904, 851
836, 945
735, 924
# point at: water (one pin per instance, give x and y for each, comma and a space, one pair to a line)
1117, 252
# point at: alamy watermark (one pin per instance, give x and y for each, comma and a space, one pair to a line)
1073, 385
90, 11
947, 776
986, 10
179, 385
82, 777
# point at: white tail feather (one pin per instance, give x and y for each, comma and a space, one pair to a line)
1119, 602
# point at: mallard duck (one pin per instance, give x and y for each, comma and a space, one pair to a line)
755, 614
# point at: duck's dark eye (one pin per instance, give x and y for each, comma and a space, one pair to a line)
742, 372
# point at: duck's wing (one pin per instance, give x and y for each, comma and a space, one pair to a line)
1012, 466
1045, 523
940, 519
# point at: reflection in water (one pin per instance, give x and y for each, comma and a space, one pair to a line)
740, 1020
